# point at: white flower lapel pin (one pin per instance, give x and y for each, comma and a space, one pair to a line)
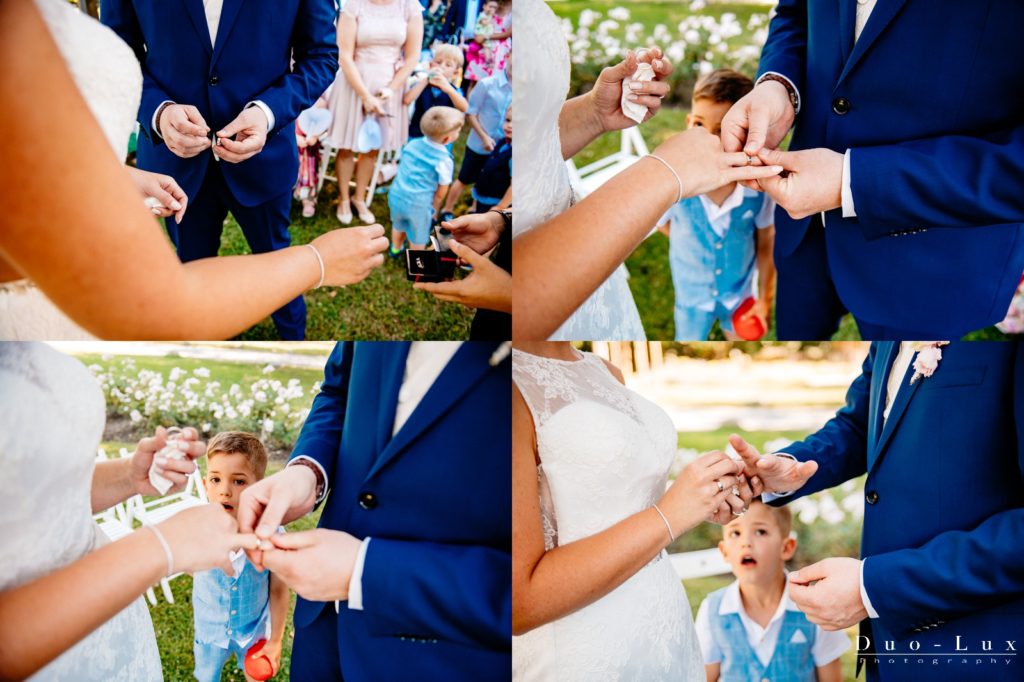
929, 353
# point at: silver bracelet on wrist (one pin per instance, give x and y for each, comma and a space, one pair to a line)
671, 535
167, 549
320, 260
671, 170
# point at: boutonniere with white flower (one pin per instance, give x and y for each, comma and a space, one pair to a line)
929, 353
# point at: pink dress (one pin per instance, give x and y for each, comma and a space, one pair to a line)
380, 39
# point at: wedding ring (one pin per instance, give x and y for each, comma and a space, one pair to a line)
750, 160
736, 490
720, 486
740, 513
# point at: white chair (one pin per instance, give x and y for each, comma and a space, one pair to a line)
154, 511
585, 180
701, 563
115, 523
327, 155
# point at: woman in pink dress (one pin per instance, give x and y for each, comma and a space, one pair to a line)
379, 46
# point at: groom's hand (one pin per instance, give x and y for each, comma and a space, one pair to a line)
176, 471
317, 564
760, 119
828, 592
812, 184
184, 130
776, 474
273, 502
249, 130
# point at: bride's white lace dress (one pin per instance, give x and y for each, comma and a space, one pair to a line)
51, 421
605, 454
540, 84
110, 81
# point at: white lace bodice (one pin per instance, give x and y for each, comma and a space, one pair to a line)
51, 421
605, 454
103, 66
540, 85
109, 79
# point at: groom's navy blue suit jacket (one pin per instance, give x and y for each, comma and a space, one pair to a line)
929, 102
251, 60
944, 515
435, 499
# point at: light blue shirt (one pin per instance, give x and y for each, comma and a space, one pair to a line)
425, 165
489, 101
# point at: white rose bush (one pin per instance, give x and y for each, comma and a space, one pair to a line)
271, 408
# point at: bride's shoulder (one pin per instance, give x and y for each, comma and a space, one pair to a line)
612, 369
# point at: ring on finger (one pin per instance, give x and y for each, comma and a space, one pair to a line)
721, 487
740, 513
750, 160
736, 490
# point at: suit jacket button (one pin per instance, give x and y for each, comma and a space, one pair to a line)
840, 105
367, 500
871, 497
214, 80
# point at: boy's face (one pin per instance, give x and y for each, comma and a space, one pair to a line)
446, 66
227, 475
707, 113
506, 127
753, 545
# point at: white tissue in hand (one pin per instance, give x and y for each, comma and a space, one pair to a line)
644, 72
170, 451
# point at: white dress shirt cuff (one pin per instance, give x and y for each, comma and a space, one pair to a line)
769, 497
791, 84
266, 110
355, 585
864, 594
849, 211
327, 484
153, 126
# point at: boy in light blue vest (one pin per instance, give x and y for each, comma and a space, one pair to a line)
424, 175
232, 613
719, 241
751, 629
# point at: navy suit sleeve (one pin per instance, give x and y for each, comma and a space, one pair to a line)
785, 50
320, 437
120, 16
957, 572
950, 181
454, 592
315, 53
839, 447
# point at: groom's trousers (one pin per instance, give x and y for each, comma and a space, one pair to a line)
315, 649
265, 227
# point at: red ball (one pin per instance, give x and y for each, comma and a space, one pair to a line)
749, 329
258, 666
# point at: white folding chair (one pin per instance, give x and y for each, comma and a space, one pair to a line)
327, 155
585, 180
115, 523
701, 563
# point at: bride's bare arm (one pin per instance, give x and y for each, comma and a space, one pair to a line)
93, 589
75, 225
547, 585
561, 262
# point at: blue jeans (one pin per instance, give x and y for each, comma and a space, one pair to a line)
210, 659
695, 325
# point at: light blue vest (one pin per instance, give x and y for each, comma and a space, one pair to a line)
789, 663
417, 179
705, 267
227, 608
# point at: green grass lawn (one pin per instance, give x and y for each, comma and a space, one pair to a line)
383, 306
668, 12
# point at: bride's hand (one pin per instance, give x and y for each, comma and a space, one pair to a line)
176, 471
202, 537
351, 253
606, 95
697, 156
161, 193
700, 490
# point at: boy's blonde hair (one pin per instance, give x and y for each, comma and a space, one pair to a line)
439, 121
782, 515
447, 50
240, 443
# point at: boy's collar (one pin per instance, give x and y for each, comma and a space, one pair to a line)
436, 145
